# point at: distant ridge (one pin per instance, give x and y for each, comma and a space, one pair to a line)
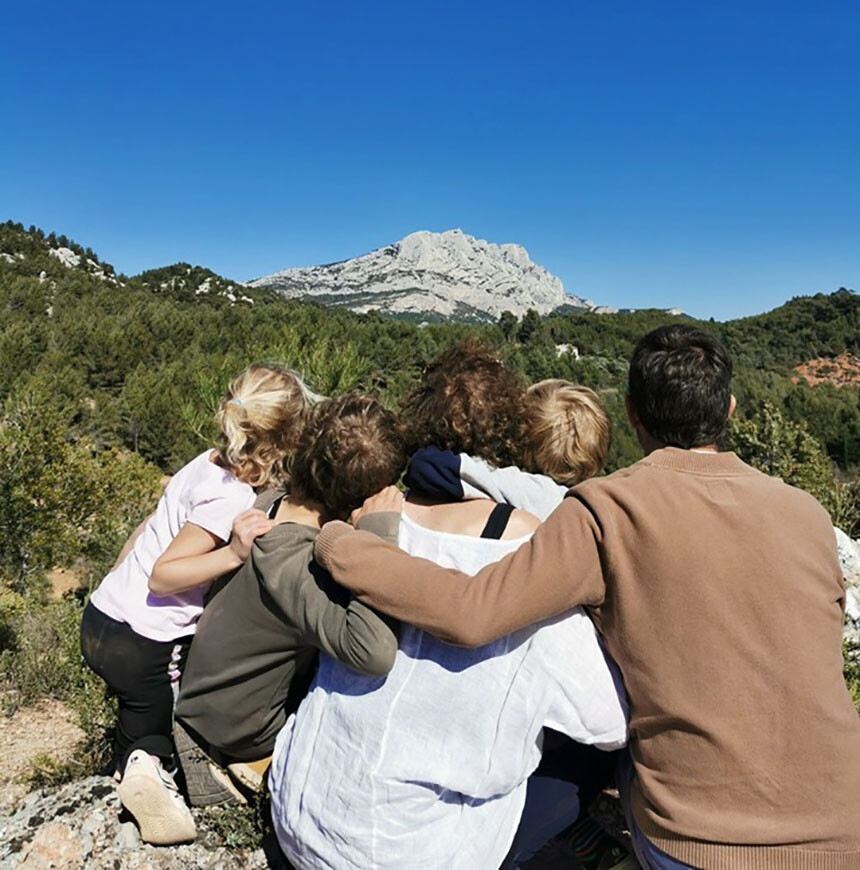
442, 275
425, 276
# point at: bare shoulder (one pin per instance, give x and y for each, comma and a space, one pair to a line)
520, 524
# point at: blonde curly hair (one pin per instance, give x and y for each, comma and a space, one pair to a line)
261, 417
565, 430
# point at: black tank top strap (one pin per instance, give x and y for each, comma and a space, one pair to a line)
497, 521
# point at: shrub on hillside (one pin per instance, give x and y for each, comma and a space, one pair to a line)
784, 448
41, 658
62, 501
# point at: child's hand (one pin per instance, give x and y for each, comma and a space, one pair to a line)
388, 499
246, 527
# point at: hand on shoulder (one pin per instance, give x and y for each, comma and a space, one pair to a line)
388, 499
250, 524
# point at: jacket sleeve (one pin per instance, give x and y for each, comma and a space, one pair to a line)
558, 568
535, 493
333, 621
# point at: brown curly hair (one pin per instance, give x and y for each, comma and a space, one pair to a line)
350, 448
468, 401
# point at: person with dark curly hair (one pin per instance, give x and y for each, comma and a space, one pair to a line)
431, 766
468, 401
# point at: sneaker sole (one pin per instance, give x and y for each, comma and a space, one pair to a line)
155, 812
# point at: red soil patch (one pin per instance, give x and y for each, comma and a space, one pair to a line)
841, 371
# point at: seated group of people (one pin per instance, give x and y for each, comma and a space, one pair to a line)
444, 683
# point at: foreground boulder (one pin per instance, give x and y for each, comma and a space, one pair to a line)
79, 825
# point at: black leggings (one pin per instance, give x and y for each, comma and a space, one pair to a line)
138, 671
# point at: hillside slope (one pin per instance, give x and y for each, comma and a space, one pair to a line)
127, 359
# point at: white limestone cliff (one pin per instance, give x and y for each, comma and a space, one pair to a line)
448, 274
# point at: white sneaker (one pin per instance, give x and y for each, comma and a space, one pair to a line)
149, 793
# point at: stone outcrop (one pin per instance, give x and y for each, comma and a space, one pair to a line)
448, 274
80, 825
849, 559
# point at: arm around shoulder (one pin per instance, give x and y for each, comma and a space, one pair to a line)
369, 643
383, 524
334, 622
556, 570
326, 614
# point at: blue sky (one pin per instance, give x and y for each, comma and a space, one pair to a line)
649, 154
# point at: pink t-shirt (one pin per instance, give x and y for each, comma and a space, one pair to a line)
202, 493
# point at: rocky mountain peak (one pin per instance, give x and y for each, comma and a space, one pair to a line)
448, 274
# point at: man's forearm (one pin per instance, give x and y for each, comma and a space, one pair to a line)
558, 569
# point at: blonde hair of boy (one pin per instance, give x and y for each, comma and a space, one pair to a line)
566, 431
261, 417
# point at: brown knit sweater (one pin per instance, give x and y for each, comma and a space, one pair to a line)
721, 599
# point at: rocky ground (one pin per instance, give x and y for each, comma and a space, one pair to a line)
82, 825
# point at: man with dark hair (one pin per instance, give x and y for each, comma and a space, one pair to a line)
721, 599
680, 388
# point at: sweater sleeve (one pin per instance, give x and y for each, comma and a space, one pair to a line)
558, 568
349, 631
333, 621
435, 473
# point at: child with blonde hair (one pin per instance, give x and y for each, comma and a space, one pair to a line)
565, 440
565, 431
139, 623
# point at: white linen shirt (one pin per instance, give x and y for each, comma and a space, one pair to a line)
427, 768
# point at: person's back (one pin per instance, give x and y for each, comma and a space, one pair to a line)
748, 532
428, 768
257, 645
468, 518
742, 717
203, 491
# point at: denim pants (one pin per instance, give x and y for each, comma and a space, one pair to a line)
650, 857
568, 779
